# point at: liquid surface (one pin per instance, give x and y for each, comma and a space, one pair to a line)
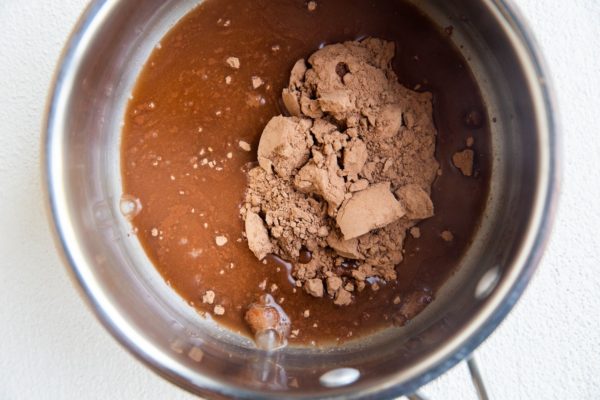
184, 170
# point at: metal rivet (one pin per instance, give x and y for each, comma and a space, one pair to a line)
339, 377
487, 283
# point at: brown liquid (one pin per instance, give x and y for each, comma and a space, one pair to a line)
182, 108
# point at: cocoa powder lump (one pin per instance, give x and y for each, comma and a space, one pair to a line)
346, 175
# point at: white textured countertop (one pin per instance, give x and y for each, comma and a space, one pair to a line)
51, 347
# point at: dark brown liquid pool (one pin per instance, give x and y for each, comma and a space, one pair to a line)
181, 154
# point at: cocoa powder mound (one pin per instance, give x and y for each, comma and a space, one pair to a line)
346, 175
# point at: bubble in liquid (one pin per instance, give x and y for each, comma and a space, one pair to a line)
130, 206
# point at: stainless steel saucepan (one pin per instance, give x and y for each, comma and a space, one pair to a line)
97, 71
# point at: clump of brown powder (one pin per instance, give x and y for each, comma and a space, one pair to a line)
346, 175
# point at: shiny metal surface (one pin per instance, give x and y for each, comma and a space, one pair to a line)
81, 166
477, 379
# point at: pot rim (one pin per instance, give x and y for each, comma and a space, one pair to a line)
456, 348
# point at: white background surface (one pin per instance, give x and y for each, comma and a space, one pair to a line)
51, 346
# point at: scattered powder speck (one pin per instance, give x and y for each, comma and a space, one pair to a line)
221, 240
208, 297
219, 310
196, 354
415, 232
233, 62
257, 82
244, 145
447, 236
463, 160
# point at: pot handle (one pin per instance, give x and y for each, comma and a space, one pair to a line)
475, 377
